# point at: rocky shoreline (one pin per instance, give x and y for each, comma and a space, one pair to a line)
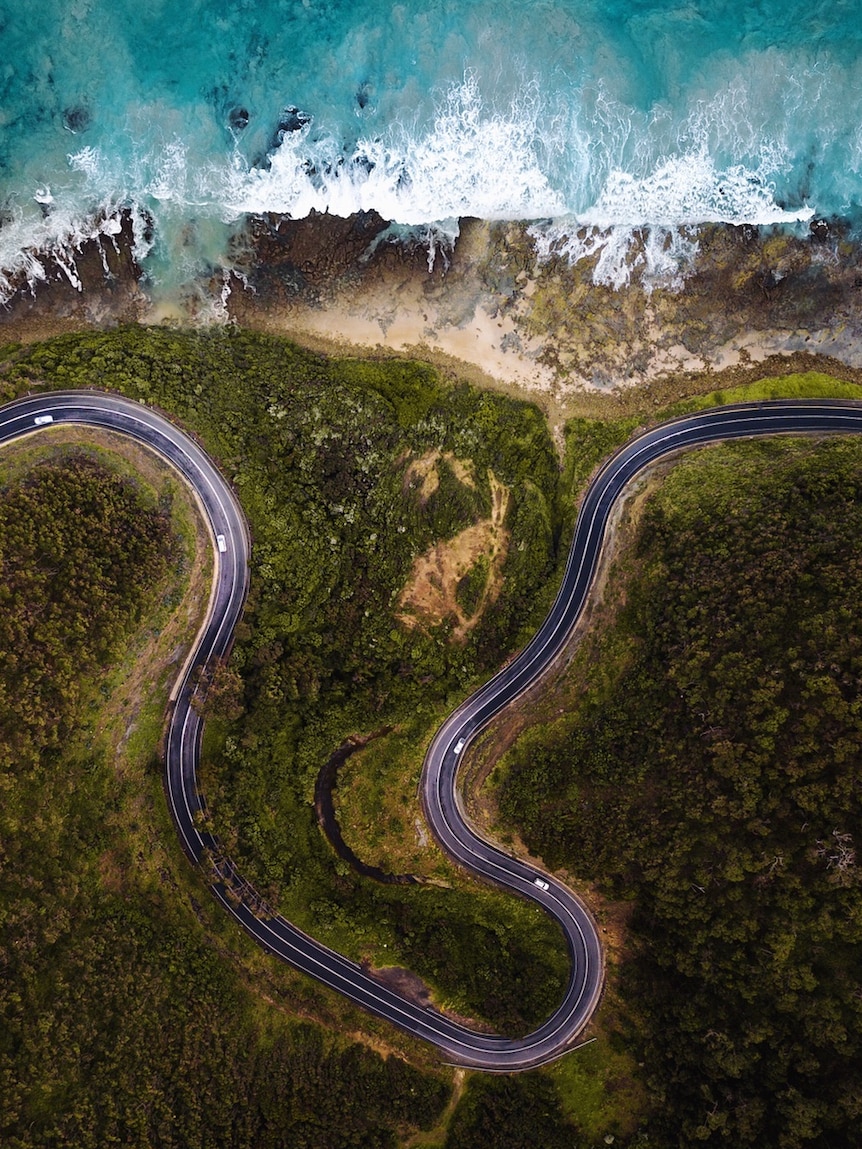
491, 311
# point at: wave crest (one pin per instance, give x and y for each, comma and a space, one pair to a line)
601, 170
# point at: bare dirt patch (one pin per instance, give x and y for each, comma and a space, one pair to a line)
430, 595
404, 982
422, 472
411, 986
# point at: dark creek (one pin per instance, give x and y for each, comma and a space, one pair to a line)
325, 807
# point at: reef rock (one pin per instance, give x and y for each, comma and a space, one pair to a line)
301, 256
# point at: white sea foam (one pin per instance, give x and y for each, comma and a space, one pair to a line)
484, 163
33, 246
686, 190
643, 219
647, 227
657, 256
625, 186
470, 161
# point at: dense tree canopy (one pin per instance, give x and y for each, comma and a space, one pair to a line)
711, 771
119, 1023
76, 558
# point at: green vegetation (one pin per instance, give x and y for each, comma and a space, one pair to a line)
74, 555
520, 1112
599, 1086
471, 587
590, 441
119, 1023
804, 385
132, 983
708, 771
319, 451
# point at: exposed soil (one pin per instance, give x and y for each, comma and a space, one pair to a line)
411, 986
422, 472
402, 981
430, 595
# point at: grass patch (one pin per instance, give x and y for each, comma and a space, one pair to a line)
376, 802
802, 385
600, 1090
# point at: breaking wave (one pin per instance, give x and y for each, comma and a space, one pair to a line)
617, 150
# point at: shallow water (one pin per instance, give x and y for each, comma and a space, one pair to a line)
613, 114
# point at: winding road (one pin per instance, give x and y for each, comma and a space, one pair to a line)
439, 789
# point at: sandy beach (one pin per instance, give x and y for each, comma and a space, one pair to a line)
492, 312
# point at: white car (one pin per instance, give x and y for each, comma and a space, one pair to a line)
541, 883
221, 542
41, 420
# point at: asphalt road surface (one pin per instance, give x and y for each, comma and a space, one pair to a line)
439, 789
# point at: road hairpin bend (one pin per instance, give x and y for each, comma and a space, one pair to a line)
439, 789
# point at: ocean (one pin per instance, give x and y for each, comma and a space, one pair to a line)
589, 118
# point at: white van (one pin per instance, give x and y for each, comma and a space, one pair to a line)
41, 420
222, 543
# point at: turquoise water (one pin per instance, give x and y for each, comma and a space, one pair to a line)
606, 115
